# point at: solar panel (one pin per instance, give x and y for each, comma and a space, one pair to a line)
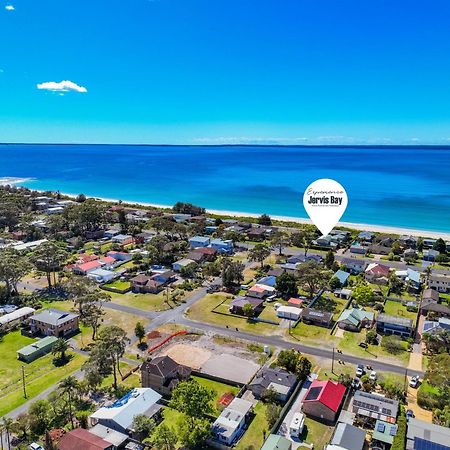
313, 393
422, 444
393, 431
381, 427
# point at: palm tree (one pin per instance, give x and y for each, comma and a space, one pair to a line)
60, 347
7, 424
69, 386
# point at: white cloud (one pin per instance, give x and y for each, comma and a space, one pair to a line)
9, 8
62, 86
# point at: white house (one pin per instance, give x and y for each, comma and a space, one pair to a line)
229, 426
182, 263
102, 275
289, 312
119, 416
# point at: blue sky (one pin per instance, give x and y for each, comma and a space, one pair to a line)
215, 71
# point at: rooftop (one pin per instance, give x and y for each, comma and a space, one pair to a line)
54, 316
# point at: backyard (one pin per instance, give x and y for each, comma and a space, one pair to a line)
393, 308
39, 374
257, 431
218, 388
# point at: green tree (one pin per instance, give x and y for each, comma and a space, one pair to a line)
69, 388
192, 399
248, 310
259, 253
87, 216
21, 425
441, 416
92, 309
273, 412
279, 240
395, 284
8, 425
288, 359
13, 267
303, 239
163, 438
313, 277
139, 331
440, 246
143, 425
40, 417
232, 272
287, 285
48, 257
335, 283
265, 220
438, 370
363, 294
303, 368
329, 259
192, 433
60, 348
371, 337
392, 344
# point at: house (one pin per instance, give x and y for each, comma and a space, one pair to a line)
144, 237
358, 248
439, 309
222, 246
182, 264
385, 240
296, 302
289, 312
282, 382
123, 239
37, 349
379, 249
268, 281
238, 303
209, 252
342, 276
440, 282
353, 265
120, 256
291, 268
102, 275
436, 327
231, 423
117, 439
343, 293
347, 437
199, 241
408, 241
81, 439
261, 291
119, 415
428, 243
430, 255
366, 236
429, 296
276, 442
163, 275
413, 280
410, 253
256, 234
145, 284
377, 273
400, 326
316, 317
111, 233
422, 435
375, 406
384, 432
323, 400
18, 316
162, 374
325, 241
196, 256
354, 319
85, 268
53, 322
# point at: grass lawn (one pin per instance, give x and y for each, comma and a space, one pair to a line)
312, 334
218, 388
39, 374
171, 419
331, 303
202, 311
257, 431
147, 302
349, 344
316, 433
397, 309
122, 285
134, 380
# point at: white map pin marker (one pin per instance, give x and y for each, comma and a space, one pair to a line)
325, 201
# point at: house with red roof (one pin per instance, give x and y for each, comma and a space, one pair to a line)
297, 302
261, 291
323, 400
81, 439
85, 268
377, 273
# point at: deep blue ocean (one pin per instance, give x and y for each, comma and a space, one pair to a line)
402, 187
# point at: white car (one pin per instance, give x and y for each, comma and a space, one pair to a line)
414, 382
373, 376
360, 370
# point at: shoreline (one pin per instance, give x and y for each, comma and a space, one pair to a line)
240, 214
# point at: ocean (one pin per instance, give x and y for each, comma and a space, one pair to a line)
391, 186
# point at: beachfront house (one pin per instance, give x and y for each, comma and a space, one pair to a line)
430, 255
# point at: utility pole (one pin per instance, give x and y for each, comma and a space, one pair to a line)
406, 382
23, 383
332, 363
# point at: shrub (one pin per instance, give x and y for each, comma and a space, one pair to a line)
392, 344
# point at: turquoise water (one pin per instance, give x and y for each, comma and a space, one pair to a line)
403, 187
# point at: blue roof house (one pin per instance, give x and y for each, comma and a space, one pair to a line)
199, 241
222, 246
342, 276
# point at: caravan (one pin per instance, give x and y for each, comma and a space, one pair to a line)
297, 424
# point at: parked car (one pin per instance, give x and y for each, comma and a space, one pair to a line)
414, 382
360, 370
373, 376
356, 383
409, 414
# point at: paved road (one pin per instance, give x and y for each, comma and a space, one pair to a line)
313, 351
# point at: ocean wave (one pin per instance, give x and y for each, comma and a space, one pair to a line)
14, 180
